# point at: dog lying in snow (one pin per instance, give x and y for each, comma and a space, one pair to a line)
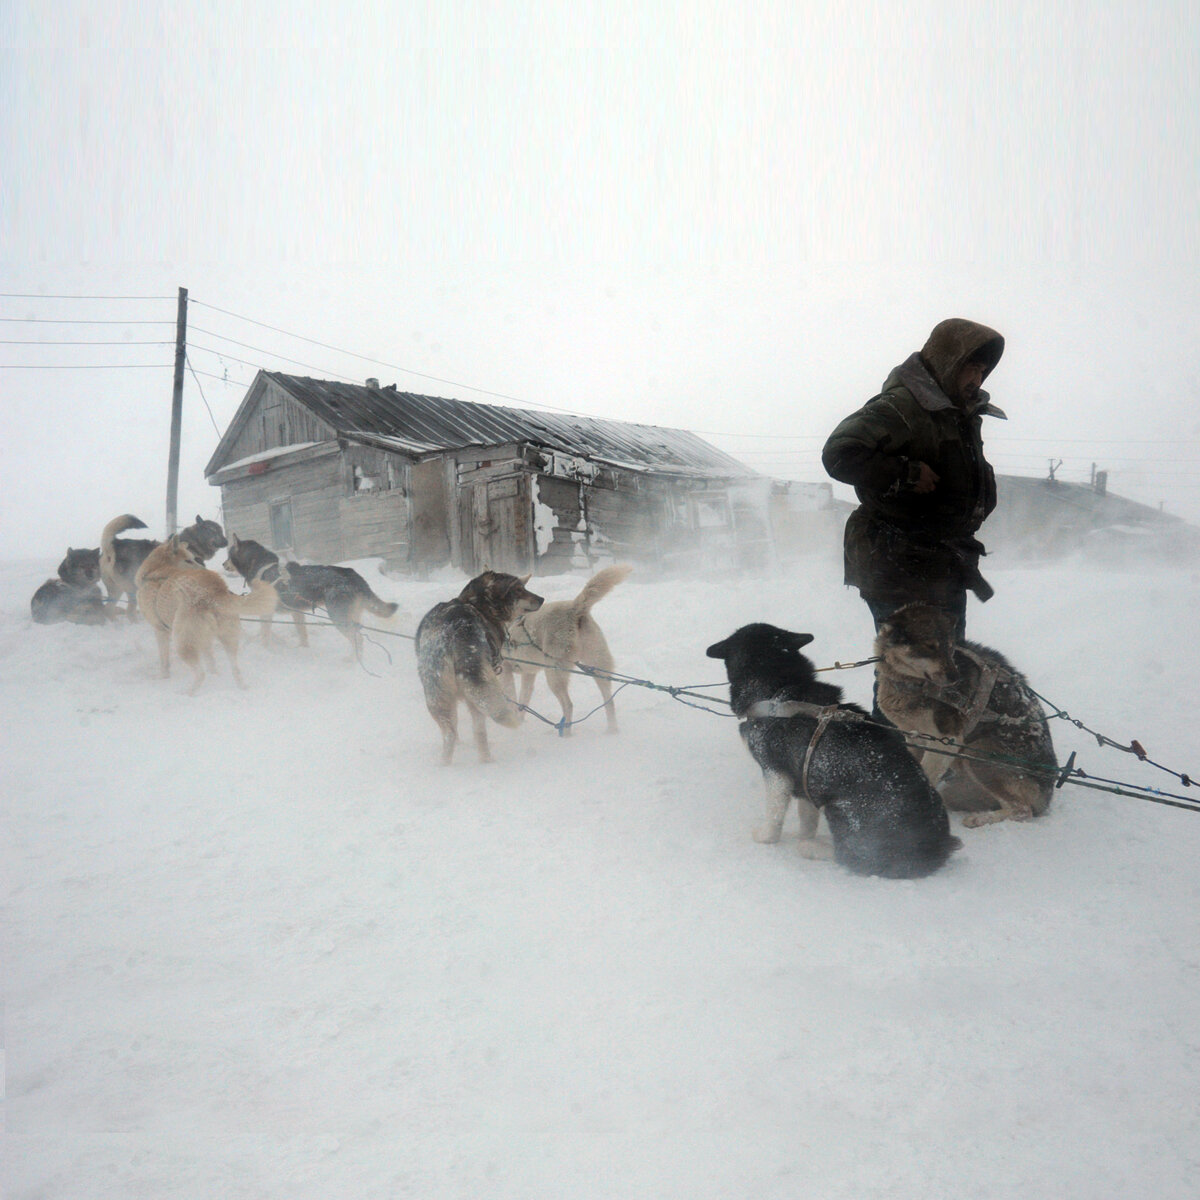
74, 595
883, 815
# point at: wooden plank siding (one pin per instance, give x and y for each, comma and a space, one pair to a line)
277, 420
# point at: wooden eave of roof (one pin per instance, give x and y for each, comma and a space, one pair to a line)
359, 413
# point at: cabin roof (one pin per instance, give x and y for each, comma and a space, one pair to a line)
422, 425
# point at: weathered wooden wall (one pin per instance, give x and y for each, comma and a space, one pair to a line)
334, 517
276, 420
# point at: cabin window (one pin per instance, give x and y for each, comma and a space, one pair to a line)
711, 511
281, 525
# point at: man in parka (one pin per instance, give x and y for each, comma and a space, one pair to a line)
914, 455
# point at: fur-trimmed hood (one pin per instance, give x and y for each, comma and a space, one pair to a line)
929, 375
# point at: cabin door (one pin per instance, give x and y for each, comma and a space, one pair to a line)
501, 525
430, 534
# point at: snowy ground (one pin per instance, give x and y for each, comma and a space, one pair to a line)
259, 944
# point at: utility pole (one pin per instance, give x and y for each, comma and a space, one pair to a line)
176, 414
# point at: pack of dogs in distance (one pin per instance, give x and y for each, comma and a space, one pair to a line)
884, 788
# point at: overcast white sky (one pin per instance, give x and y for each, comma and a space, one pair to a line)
734, 218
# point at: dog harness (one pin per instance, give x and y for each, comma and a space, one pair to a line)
767, 710
975, 710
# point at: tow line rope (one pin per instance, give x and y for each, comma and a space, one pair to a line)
691, 693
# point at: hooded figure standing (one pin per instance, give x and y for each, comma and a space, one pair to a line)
914, 455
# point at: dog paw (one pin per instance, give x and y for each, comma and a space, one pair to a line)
766, 835
815, 848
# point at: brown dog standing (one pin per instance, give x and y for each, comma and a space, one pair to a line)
459, 646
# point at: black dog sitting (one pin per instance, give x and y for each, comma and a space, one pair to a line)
883, 816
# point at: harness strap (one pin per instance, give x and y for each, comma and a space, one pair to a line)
776, 709
977, 708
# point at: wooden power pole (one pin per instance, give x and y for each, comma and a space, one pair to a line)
176, 414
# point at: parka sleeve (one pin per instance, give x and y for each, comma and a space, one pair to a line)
869, 450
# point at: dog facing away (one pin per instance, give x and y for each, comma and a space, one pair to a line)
182, 600
74, 595
931, 684
341, 591
459, 644
883, 815
121, 558
560, 634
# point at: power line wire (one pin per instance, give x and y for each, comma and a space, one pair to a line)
75, 321
202, 395
85, 366
64, 342
65, 296
391, 366
269, 353
221, 378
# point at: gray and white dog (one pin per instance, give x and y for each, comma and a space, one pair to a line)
459, 645
75, 595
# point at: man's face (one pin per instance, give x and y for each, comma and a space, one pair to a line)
970, 380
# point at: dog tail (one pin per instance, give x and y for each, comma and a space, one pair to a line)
598, 587
489, 696
260, 601
118, 525
381, 608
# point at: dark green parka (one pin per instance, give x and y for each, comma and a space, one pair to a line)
902, 545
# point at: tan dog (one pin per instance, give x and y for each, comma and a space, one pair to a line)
122, 558
558, 636
181, 599
931, 684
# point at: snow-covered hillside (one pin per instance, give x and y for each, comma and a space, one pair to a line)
259, 944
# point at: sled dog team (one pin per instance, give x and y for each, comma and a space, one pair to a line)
975, 738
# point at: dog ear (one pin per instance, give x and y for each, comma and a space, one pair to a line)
718, 649
800, 640
233, 541
524, 579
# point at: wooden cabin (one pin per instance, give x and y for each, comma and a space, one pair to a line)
330, 472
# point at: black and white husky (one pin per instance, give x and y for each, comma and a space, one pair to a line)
341, 591
883, 815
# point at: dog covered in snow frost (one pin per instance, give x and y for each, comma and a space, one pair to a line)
883, 815
931, 684
459, 644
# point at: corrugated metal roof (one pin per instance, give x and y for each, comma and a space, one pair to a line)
420, 424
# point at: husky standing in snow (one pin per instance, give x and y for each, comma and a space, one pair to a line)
559, 635
459, 645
